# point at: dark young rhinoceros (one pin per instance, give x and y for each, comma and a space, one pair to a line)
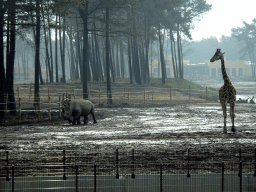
76, 108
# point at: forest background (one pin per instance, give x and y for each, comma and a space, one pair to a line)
103, 40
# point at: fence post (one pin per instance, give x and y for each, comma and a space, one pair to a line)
144, 95
39, 108
240, 175
240, 154
12, 178
76, 178
133, 168
128, 97
189, 92
255, 162
99, 96
206, 93
7, 164
30, 93
59, 107
6, 102
117, 174
95, 179
74, 93
222, 177
152, 97
49, 108
108, 99
161, 177
170, 93
18, 91
64, 165
19, 109
188, 174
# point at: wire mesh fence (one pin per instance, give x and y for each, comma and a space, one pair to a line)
187, 170
124, 156
129, 177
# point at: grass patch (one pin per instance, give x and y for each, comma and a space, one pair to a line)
183, 86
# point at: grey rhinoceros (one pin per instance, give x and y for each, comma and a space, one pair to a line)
76, 108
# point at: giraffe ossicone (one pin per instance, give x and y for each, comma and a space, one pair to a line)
227, 93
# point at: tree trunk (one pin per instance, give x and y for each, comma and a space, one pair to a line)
117, 61
62, 50
93, 59
179, 53
109, 96
88, 60
98, 55
141, 60
56, 51
50, 42
136, 62
112, 63
37, 59
2, 70
135, 56
130, 61
173, 52
23, 61
10, 67
72, 55
181, 60
163, 66
47, 63
85, 51
78, 56
147, 41
122, 58
7, 45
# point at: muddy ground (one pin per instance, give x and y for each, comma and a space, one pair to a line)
157, 134
160, 132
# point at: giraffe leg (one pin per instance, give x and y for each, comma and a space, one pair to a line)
224, 109
232, 115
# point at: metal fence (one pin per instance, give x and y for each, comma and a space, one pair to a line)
128, 177
125, 156
180, 170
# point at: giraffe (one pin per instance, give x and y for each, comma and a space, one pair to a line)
227, 93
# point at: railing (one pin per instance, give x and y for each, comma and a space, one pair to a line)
180, 170
122, 156
128, 177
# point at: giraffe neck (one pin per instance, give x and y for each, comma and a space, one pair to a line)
224, 73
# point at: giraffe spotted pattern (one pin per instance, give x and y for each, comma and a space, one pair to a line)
227, 93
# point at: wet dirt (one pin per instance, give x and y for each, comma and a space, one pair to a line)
156, 133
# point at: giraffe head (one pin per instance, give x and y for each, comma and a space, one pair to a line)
218, 55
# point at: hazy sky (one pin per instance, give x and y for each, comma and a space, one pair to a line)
224, 15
